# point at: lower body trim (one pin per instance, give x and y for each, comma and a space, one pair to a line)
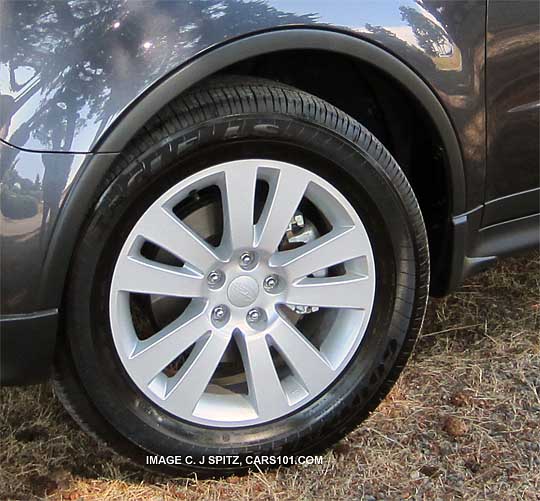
27, 347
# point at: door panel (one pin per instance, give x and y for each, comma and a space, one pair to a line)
513, 109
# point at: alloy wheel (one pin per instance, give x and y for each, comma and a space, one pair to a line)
247, 294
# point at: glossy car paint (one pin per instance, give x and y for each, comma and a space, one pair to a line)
513, 110
69, 70
33, 188
73, 68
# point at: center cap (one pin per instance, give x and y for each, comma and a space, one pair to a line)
243, 291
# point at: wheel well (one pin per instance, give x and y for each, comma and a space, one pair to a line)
390, 112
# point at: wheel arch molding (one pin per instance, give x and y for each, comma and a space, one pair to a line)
229, 53
106, 150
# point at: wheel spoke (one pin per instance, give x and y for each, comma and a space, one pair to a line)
138, 274
265, 389
193, 378
348, 291
166, 230
285, 195
333, 248
152, 355
302, 357
238, 204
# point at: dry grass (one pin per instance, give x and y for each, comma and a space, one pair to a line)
463, 421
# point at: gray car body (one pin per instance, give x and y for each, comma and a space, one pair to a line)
78, 79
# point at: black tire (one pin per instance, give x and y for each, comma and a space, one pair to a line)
278, 122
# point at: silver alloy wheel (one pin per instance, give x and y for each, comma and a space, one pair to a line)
239, 292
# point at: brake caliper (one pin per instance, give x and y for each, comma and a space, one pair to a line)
300, 232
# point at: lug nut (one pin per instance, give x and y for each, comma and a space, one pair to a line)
247, 259
254, 315
270, 282
219, 313
215, 277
